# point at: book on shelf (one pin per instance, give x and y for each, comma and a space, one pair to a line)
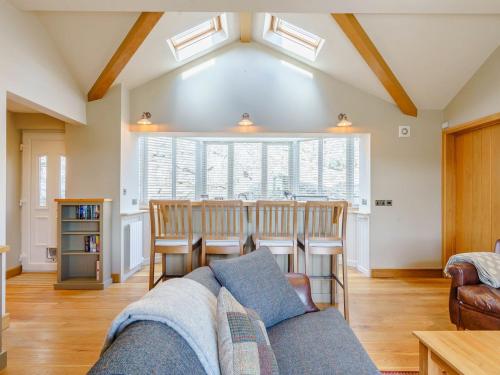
87, 212
92, 243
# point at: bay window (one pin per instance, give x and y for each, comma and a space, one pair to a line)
251, 168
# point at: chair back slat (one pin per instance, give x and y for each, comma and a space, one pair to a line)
171, 219
276, 220
222, 220
325, 220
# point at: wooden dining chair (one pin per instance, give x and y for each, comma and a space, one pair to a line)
171, 233
325, 227
276, 228
222, 228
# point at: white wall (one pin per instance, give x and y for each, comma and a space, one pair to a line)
93, 160
480, 96
129, 161
31, 70
31, 66
252, 78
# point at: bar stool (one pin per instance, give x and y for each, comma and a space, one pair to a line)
171, 233
325, 234
276, 228
222, 228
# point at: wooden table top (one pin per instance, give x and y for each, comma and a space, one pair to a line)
467, 352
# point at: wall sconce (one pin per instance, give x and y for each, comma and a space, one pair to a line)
343, 121
245, 120
145, 119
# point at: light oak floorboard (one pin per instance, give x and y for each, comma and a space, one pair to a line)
61, 332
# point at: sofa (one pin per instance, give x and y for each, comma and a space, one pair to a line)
318, 342
473, 305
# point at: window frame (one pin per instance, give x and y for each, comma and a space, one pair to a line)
185, 46
292, 38
295, 34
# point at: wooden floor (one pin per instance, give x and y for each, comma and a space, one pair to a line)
61, 332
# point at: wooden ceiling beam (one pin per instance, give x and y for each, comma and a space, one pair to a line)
358, 37
246, 27
135, 37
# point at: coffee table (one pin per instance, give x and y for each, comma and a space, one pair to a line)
459, 352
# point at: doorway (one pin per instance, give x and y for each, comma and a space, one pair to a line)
43, 180
471, 181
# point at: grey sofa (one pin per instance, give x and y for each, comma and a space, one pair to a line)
314, 343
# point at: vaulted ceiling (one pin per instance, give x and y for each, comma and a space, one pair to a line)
432, 55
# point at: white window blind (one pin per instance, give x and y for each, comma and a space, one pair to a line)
157, 167
184, 168
217, 170
335, 181
308, 174
247, 175
279, 177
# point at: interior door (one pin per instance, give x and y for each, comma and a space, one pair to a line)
44, 180
477, 189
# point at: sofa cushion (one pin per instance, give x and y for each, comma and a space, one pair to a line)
242, 339
257, 282
482, 297
319, 343
148, 347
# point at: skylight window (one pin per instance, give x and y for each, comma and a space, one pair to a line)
292, 38
199, 38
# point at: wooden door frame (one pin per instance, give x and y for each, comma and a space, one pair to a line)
448, 178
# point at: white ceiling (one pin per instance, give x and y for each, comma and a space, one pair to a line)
155, 58
296, 6
432, 55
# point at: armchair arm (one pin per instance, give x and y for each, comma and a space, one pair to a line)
463, 274
302, 286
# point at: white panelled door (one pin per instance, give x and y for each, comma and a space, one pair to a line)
44, 179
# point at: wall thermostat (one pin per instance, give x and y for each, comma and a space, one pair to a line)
404, 131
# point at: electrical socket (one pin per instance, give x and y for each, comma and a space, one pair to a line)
383, 202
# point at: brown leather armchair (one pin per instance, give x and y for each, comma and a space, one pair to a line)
473, 305
300, 282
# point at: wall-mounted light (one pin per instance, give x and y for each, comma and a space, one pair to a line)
343, 121
245, 120
145, 119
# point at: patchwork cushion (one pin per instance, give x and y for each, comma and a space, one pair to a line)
242, 340
257, 282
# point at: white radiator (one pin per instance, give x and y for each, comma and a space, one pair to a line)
135, 244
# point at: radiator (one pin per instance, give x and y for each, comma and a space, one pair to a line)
135, 244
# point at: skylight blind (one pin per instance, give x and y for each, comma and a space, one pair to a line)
247, 175
185, 168
157, 167
278, 158
308, 174
217, 170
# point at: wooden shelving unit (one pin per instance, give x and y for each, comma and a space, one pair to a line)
79, 264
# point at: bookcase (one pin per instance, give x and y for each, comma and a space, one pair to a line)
83, 243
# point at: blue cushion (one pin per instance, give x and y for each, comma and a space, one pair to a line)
257, 282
